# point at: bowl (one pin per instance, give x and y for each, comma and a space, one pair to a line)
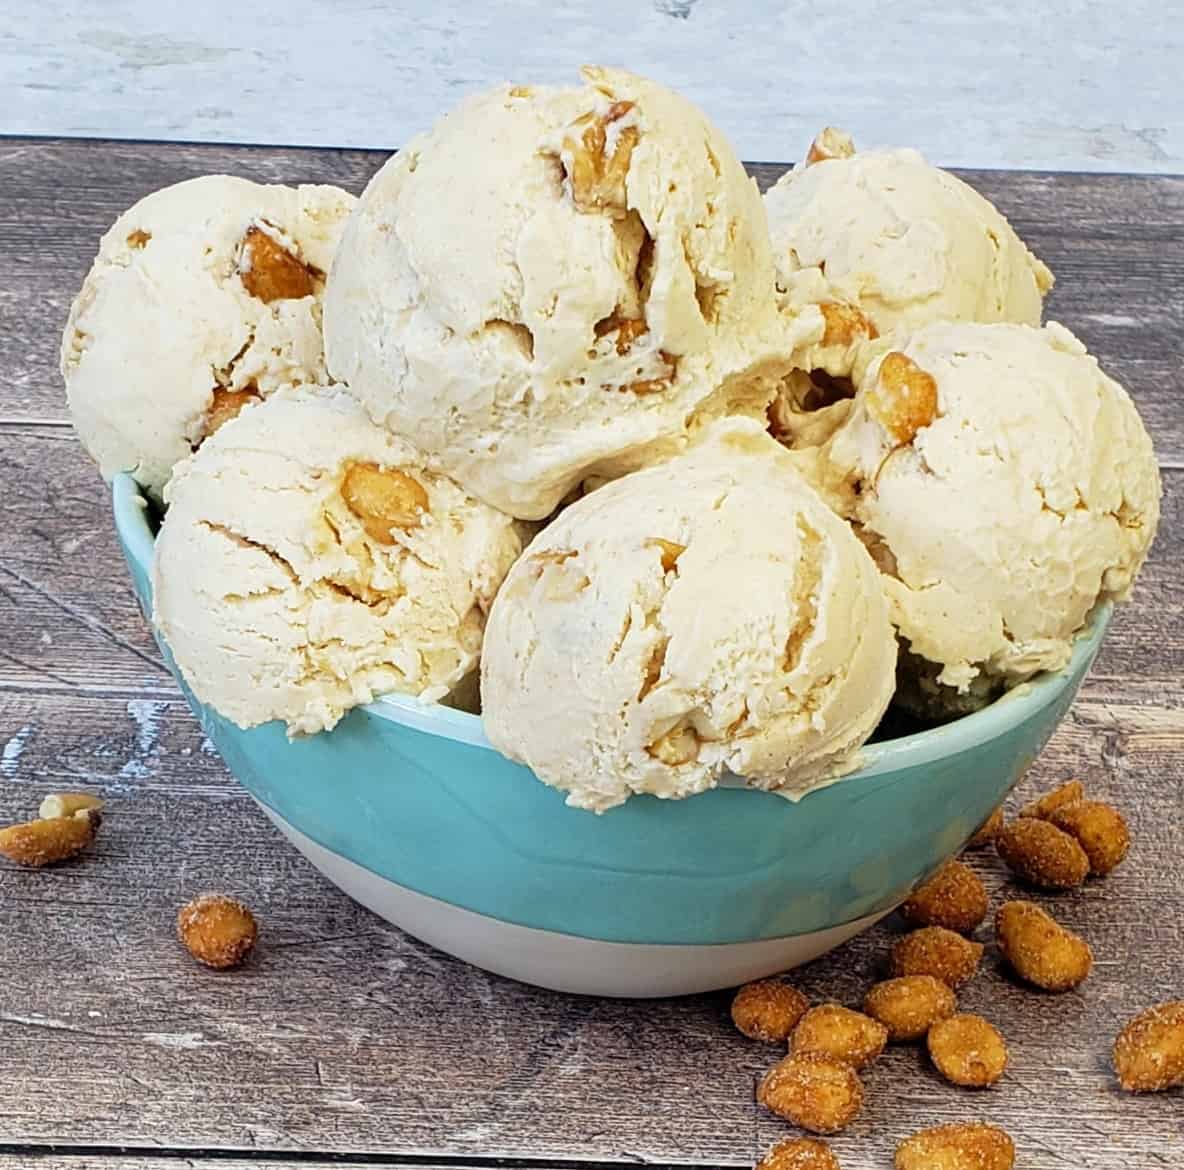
408, 809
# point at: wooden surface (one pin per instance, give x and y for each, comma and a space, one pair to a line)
348, 1041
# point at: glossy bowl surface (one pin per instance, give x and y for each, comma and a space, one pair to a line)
405, 799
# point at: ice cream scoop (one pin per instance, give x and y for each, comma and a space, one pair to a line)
1005, 485
902, 240
553, 284
705, 616
204, 297
308, 562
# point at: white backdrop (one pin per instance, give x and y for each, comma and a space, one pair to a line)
1061, 84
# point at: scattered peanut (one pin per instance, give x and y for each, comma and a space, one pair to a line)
1149, 1051
269, 271
968, 1051
964, 1146
66, 804
227, 404
799, 1154
768, 1010
903, 399
987, 831
50, 839
217, 930
1068, 793
814, 1092
1040, 949
935, 951
1042, 855
1100, 830
835, 1031
598, 177
383, 498
910, 1005
954, 898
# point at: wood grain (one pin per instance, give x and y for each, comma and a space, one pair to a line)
344, 1037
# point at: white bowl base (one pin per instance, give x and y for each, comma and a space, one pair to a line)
565, 962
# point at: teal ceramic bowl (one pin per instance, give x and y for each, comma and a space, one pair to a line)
406, 807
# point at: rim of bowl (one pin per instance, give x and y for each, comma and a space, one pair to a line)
131, 520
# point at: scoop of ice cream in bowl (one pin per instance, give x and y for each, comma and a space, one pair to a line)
553, 603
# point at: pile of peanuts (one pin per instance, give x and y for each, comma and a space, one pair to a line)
1055, 843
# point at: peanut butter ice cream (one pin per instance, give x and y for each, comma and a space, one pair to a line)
702, 617
309, 562
204, 297
554, 284
1004, 484
903, 241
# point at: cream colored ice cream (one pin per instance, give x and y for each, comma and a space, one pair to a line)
703, 616
900, 239
556, 283
1004, 484
204, 296
308, 562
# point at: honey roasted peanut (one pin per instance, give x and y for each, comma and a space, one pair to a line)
1042, 855
954, 897
830, 142
217, 930
768, 1010
1068, 793
962, 1146
967, 1051
1149, 1051
845, 324
903, 398
597, 169
269, 271
936, 951
678, 746
799, 1154
910, 1005
48, 840
1100, 829
626, 329
1040, 949
383, 498
817, 1093
227, 404
835, 1031
987, 831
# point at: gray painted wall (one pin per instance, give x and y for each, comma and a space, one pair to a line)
1062, 84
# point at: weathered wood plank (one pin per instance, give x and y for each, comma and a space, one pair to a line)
353, 1037
70, 619
1109, 238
